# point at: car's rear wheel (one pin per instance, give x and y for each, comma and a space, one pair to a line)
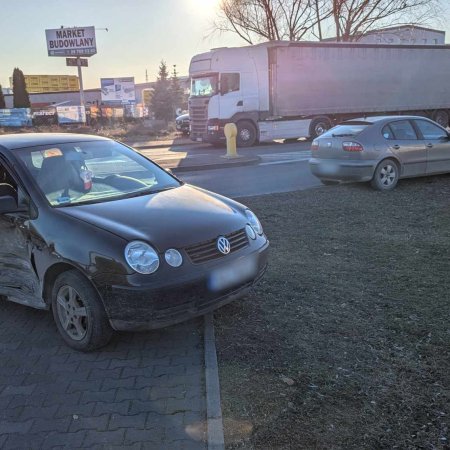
386, 175
79, 313
441, 117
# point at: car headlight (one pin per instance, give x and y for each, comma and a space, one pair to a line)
173, 257
253, 221
141, 257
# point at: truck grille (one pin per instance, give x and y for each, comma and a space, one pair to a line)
206, 251
198, 115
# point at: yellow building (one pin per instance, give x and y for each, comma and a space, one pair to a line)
50, 83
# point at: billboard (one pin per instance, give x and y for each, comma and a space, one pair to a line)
71, 114
79, 41
118, 90
16, 117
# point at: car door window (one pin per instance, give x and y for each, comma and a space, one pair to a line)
387, 133
430, 130
403, 130
7, 179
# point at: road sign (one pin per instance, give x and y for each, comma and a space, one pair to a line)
73, 62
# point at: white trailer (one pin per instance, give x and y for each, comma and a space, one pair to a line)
287, 90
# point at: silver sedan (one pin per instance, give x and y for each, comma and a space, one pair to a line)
381, 150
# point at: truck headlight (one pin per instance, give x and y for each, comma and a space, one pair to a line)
141, 257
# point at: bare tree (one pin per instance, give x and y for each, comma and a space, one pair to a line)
271, 20
354, 18
294, 20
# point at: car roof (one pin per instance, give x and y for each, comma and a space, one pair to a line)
13, 141
375, 119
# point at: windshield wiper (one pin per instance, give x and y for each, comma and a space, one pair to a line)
147, 192
343, 135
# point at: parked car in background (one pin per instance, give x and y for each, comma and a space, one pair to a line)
381, 150
108, 240
183, 124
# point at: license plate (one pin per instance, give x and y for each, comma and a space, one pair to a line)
199, 139
233, 274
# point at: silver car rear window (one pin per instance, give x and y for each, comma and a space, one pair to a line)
346, 130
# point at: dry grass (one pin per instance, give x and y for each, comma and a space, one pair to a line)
120, 131
355, 309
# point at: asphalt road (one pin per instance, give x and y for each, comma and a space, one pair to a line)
283, 168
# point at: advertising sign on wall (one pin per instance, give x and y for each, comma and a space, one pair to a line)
71, 114
118, 90
16, 117
79, 41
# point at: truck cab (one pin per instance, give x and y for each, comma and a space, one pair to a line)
228, 85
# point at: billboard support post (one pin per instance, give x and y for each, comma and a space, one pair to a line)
80, 77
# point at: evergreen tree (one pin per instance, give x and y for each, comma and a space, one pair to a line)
21, 98
161, 102
2, 99
178, 97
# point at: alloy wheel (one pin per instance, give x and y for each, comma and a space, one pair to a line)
72, 313
388, 175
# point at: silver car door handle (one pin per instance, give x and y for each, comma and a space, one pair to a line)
396, 146
429, 145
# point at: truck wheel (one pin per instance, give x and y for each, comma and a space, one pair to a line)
79, 313
441, 117
318, 126
246, 134
386, 175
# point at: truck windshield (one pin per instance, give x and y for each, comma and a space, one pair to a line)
204, 86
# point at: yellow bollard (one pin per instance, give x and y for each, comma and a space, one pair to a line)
230, 130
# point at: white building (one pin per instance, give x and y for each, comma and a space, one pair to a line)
404, 34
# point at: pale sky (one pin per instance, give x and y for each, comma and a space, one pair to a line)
141, 33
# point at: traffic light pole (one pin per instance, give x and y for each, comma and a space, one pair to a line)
80, 77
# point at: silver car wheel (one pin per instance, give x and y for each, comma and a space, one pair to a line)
72, 313
388, 175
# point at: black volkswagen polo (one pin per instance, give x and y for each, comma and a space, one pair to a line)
108, 240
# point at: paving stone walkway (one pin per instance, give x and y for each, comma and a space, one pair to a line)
142, 391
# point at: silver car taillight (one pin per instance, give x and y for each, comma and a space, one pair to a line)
352, 147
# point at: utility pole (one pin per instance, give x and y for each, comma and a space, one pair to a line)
80, 77
146, 76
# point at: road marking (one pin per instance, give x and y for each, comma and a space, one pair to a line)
284, 158
286, 155
287, 161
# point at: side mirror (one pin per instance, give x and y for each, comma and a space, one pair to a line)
8, 204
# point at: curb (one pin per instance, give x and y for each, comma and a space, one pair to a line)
215, 438
162, 145
219, 165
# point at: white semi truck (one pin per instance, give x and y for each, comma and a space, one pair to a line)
287, 90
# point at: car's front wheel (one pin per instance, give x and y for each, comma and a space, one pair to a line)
386, 175
78, 312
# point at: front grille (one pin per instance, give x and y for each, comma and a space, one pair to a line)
206, 251
198, 116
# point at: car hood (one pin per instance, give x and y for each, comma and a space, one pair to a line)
175, 218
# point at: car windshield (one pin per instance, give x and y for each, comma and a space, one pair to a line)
204, 86
91, 172
345, 130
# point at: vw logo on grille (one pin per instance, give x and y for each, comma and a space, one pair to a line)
223, 245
